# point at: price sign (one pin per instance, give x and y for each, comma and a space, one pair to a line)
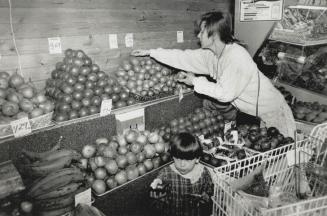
54, 45
180, 94
113, 41
133, 119
21, 127
180, 37
129, 40
84, 197
106, 106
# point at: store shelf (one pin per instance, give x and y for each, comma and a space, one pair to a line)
303, 94
304, 43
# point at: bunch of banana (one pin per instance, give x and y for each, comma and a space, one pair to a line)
40, 164
54, 194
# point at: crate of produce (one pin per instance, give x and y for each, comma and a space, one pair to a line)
36, 123
271, 170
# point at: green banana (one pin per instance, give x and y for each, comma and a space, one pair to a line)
55, 203
58, 192
56, 212
40, 169
62, 153
86, 210
34, 156
55, 180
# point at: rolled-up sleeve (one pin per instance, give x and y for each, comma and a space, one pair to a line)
196, 61
236, 75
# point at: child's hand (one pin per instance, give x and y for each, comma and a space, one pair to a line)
155, 183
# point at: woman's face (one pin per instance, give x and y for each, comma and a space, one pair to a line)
184, 166
206, 42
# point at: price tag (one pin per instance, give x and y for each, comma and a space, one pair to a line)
180, 94
21, 127
84, 197
106, 106
180, 37
54, 45
129, 42
113, 41
133, 119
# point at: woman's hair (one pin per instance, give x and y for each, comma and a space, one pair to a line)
218, 23
185, 146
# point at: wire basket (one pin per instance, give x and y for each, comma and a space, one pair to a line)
277, 170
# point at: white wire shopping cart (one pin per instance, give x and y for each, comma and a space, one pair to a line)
278, 169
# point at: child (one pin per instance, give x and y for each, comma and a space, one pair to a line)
189, 182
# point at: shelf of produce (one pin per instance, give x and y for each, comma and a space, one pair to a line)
303, 94
79, 132
303, 43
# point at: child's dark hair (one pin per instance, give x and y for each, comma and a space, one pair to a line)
185, 146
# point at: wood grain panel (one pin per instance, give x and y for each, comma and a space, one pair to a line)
93, 43
189, 5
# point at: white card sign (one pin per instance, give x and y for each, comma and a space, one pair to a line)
129, 42
113, 41
54, 45
84, 197
180, 37
180, 94
21, 127
251, 10
106, 107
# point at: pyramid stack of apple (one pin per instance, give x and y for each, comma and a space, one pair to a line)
109, 163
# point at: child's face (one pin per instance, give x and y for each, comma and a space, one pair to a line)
185, 166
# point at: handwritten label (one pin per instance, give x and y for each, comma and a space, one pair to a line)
84, 197
113, 41
180, 94
21, 127
106, 107
55, 45
180, 37
129, 42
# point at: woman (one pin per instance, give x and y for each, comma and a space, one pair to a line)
237, 78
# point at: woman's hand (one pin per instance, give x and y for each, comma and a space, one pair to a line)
140, 52
188, 78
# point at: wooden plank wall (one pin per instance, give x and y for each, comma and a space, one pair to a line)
85, 24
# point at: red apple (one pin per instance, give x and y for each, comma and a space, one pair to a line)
121, 177
148, 164
160, 147
111, 182
100, 173
149, 150
131, 136
131, 158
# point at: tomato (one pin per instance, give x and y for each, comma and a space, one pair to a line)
121, 73
98, 91
74, 71
71, 80
117, 89
76, 105
101, 75
115, 97
120, 104
73, 114
165, 72
67, 98
85, 70
137, 69
87, 61
134, 61
59, 117
96, 101
95, 68
131, 73
111, 81
89, 84
130, 101
83, 112
99, 186
108, 89
148, 62
94, 110
92, 77
88, 93
77, 95
152, 71
127, 66
124, 96
78, 61
86, 102
147, 67
142, 70
105, 96
64, 107
80, 54
79, 87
